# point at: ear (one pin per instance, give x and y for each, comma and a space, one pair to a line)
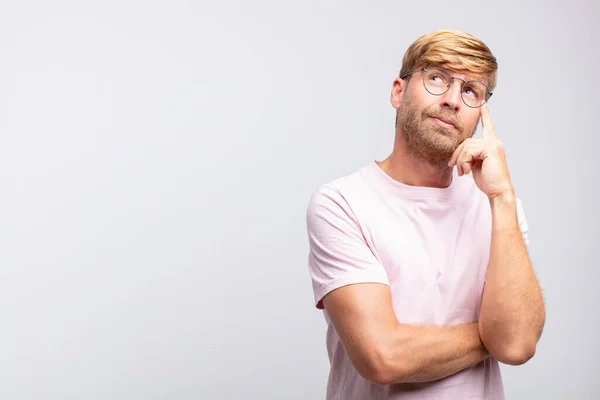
398, 88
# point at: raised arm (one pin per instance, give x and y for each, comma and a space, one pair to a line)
512, 311
512, 308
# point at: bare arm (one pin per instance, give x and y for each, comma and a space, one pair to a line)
384, 351
512, 310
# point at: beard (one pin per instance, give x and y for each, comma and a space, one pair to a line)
427, 141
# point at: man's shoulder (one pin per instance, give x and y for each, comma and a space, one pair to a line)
343, 185
339, 194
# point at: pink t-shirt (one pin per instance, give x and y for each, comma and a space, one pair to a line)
430, 245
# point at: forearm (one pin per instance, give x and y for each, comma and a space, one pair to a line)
426, 353
512, 310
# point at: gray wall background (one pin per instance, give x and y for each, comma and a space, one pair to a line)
156, 162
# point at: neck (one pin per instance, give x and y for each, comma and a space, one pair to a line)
408, 168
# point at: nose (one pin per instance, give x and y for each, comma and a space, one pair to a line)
452, 98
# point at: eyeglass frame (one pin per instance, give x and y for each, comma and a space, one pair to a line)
452, 78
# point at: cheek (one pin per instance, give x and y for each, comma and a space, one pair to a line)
470, 123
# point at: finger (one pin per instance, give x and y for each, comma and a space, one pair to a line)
458, 156
466, 164
486, 123
455, 155
463, 158
470, 155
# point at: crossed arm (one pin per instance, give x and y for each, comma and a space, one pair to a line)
512, 314
384, 351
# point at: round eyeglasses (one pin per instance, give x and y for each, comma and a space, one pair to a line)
437, 81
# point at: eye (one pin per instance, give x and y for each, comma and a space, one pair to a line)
473, 92
438, 78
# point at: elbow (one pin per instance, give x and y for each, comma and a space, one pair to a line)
383, 376
374, 369
506, 348
378, 377
515, 354
382, 370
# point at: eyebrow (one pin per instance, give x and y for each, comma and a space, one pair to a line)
467, 79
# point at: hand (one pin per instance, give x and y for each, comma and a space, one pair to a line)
486, 158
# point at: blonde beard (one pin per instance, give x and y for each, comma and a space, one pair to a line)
425, 140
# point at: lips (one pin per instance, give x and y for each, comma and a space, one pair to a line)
446, 120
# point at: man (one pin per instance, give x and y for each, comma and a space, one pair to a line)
420, 261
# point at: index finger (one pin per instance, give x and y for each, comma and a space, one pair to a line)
486, 122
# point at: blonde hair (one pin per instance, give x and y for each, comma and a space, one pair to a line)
455, 50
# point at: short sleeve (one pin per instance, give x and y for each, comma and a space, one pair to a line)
338, 252
522, 222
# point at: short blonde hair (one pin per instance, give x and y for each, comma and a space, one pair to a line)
455, 50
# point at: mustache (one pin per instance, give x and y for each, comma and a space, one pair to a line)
444, 115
